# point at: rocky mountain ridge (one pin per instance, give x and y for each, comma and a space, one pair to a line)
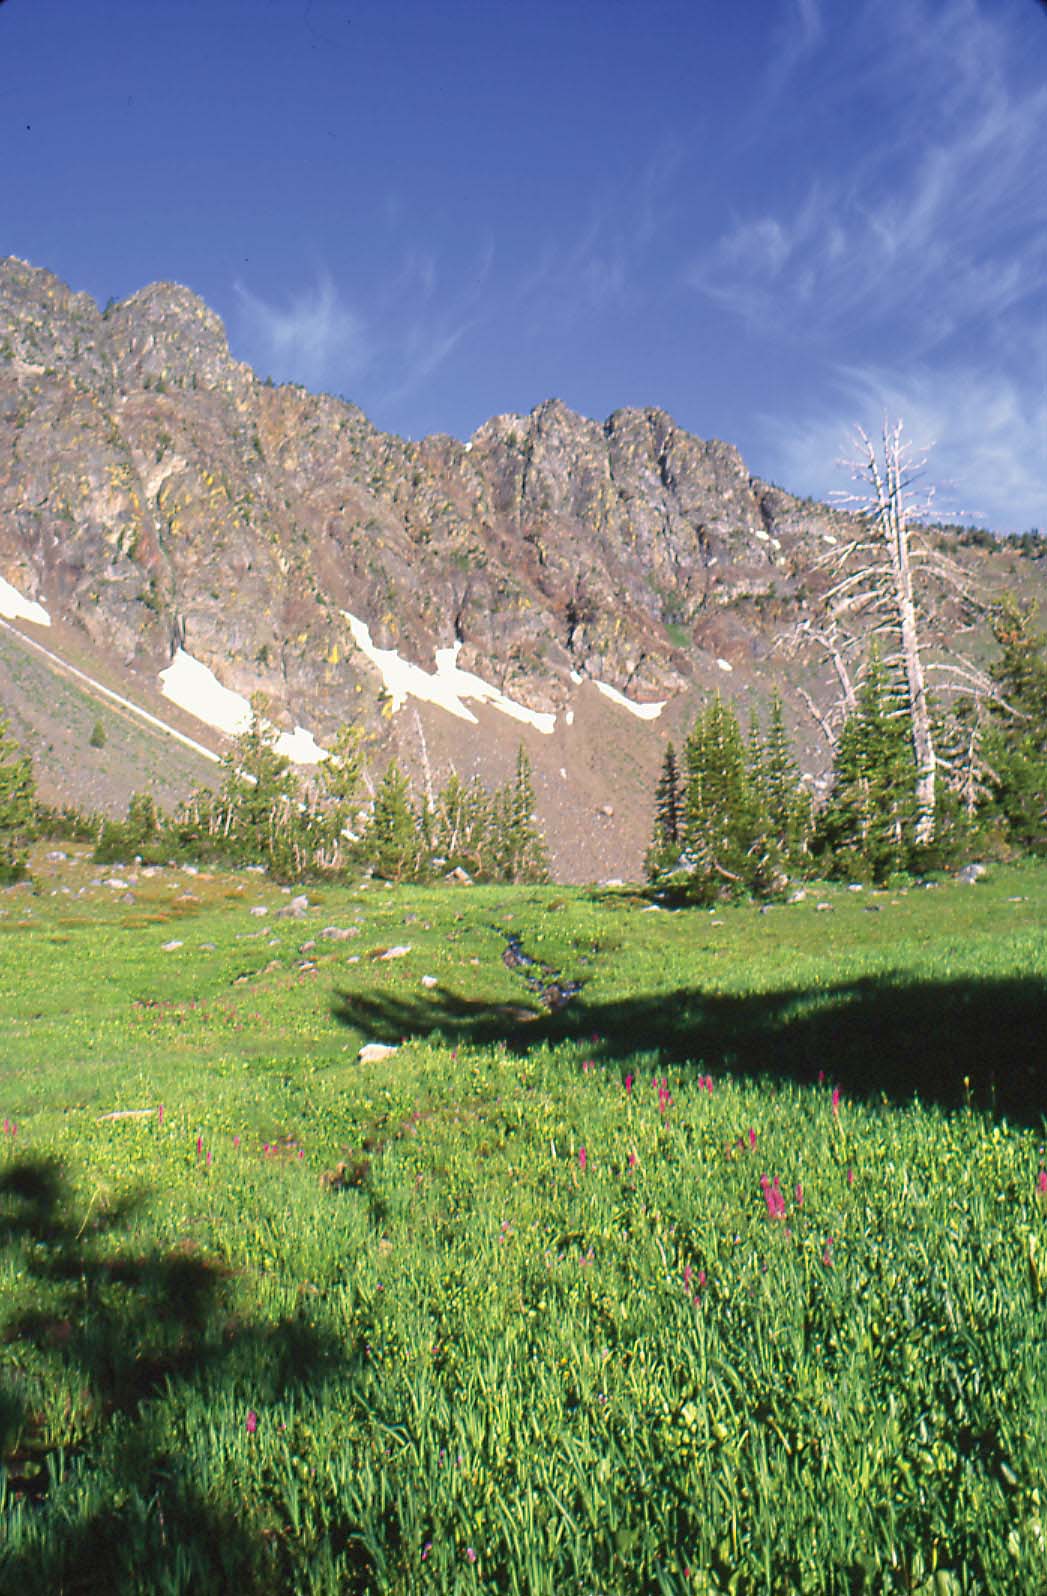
156, 495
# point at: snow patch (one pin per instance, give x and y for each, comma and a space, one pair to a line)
763, 537
725, 664
569, 717
193, 687
641, 711
447, 686
13, 607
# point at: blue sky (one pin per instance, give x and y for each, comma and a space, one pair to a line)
772, 218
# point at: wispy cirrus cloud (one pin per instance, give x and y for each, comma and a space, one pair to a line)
940, 220
377, 347
313, 338
984, 432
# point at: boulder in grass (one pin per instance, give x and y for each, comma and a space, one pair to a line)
970, 873
296, 909
401, 949
372, 1052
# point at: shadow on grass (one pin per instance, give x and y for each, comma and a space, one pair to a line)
872, 1037
109, 1327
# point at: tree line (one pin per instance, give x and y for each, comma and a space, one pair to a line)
267, 812
733, 818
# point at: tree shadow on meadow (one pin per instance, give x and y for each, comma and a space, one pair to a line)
111, 1328
946, 1042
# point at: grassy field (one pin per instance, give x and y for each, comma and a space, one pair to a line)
724, 1273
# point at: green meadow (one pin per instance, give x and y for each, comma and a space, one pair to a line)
666, 1251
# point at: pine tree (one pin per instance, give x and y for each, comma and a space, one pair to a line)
391, 842
258, 796
17, 806
667, 837
868, 828
462, 833
788, 805
722, 805
519, 846
1016, 742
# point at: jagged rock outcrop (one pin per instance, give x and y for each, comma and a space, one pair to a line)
154, 492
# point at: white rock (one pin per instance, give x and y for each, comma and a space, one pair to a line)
258, 910
429, 981
371, 1052
397, 952
169, 947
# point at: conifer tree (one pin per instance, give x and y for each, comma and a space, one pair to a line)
787, 805
720, 800
868, 827
17, 806
667, 837
391, 841
258, 796
518, 842
462, 834
1016, 742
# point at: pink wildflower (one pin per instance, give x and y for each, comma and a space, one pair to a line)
1041, 1181
208, 1158
629, 1085
470, 1554
752, 1140
160, 1115
236, 1141
252, 1421
582, 1159
688, 1273
836, 1101
850, 1177
701, 1279
426, 1549
633, 1160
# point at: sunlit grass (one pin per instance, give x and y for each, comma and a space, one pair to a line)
657, 1293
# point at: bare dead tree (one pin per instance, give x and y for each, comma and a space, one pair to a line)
879, 582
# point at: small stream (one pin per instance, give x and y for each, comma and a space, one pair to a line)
545, 982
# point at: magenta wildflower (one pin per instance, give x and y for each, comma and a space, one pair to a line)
470, 1554
582, 1159
628, 1085
252, 1421
160, 1115
236, 1141
1041, 1181
836, 1101
587, 1065
752, 1140
633, 1160
688, 1274
701, 1279
426, 1549
772, 1196
850, 1177
208, 1158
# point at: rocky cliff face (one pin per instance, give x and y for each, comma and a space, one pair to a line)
154, 493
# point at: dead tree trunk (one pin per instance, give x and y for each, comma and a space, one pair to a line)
889, 480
